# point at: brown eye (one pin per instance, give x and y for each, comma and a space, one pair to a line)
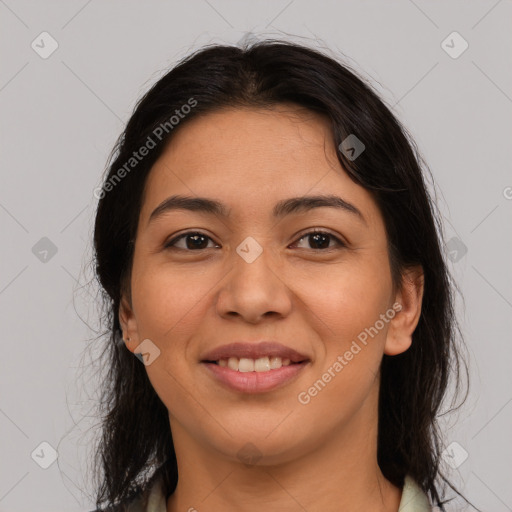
320, 240
192, 241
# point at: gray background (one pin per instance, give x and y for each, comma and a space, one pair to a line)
60, 118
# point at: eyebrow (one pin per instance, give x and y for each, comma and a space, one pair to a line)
293, 205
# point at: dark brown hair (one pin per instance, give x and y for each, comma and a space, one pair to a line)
136, 445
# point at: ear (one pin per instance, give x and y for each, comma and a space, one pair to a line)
128, 324
409, 297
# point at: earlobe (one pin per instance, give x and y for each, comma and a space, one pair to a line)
402, 326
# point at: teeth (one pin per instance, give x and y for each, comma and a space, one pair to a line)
263, 364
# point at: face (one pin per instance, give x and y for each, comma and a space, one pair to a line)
202, 279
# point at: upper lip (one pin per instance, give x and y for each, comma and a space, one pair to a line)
254, 351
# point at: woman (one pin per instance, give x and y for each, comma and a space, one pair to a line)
270, 255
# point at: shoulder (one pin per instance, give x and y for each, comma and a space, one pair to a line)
151, 500
413, 498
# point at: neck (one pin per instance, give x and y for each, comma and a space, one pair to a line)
340, 473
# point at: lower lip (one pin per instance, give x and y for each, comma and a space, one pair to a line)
255, 382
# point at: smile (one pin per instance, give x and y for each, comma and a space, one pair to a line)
254, 376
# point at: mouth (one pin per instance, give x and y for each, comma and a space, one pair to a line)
251, 376
250, 367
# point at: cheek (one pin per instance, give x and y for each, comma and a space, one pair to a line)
168, 301
346, 299
344, 305
346, 314
170, 305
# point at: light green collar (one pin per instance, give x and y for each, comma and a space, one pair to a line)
413, 499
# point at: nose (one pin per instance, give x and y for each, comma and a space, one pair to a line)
254, 290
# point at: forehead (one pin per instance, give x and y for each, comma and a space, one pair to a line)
249, 141
249, 157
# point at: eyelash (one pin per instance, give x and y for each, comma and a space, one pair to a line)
170, 244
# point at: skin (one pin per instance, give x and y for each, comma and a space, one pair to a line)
318, 456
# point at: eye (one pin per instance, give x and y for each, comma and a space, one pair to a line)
320, 239
193, 240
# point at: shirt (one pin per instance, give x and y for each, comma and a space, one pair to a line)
413, 499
